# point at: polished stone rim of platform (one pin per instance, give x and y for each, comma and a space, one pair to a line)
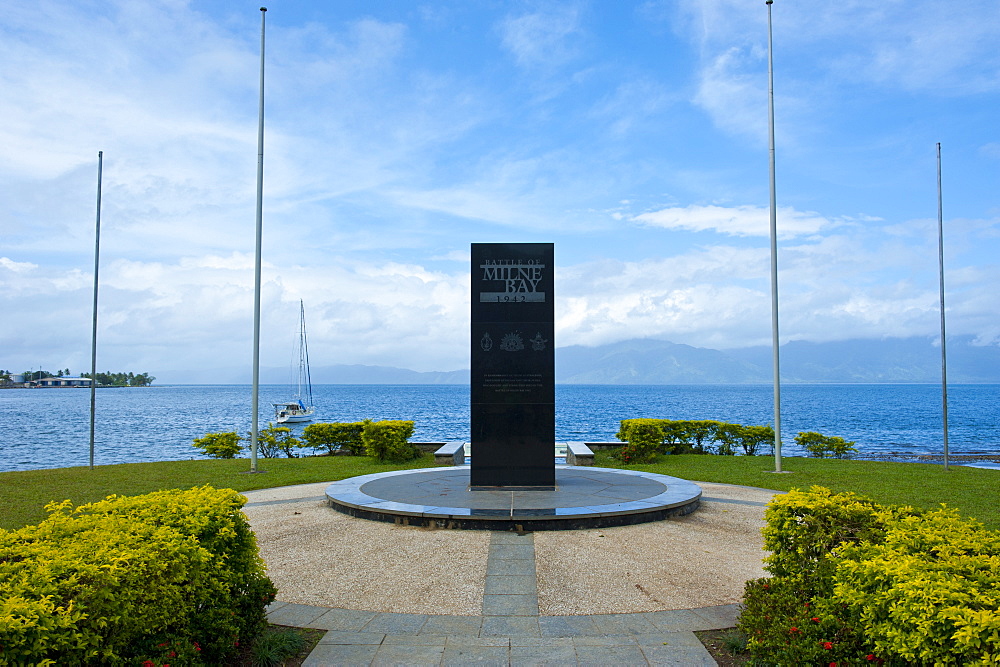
585, 497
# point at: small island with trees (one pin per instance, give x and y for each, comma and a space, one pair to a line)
63, 378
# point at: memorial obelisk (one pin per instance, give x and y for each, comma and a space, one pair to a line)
512, 390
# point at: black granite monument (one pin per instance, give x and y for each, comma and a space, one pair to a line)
513, 366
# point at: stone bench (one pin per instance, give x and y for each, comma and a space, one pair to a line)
579, 454
451, 453
427, 447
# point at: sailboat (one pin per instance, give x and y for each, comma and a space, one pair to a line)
299, 409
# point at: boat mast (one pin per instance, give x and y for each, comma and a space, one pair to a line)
304, 372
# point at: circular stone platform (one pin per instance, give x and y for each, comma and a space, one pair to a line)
584, 497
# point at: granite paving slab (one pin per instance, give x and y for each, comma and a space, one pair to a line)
327, 655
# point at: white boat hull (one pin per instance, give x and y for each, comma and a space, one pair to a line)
292, 414
294, 419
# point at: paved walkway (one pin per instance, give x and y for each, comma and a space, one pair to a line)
510, 630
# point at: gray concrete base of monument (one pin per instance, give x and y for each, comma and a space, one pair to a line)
583, 498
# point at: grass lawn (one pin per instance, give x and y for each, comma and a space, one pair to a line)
973, 491
24, 494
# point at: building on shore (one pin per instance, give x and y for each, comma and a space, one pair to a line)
64, 381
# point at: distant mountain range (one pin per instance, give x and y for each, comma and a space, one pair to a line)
650, 361
337, 374
890, 360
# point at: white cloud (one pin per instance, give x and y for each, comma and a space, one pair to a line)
194, 312
544, 39
16, 267
831, 288
27, 280
732, 96
738, 220
701, 297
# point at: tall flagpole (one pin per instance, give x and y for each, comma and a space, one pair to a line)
93, 340
260, 225
944, 354
774, 250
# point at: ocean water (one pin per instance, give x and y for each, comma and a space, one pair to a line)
48, 428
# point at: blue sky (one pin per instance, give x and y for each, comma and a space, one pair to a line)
633, 135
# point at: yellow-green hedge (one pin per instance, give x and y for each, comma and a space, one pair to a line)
388, 440
854, 582
130, 579
336, 437
929, 593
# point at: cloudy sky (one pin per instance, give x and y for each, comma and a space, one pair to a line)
633, 135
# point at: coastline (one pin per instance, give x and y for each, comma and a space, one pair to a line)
906, 457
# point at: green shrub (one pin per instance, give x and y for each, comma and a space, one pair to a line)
336, 437
647, 437
684, 436
276, 440
804, 528
822, 446
388, 440
219, 445
752, 437
677, 436
121, 579
728, 437
702, 432
854, 582
643, 439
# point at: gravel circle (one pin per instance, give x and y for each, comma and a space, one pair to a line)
318, 556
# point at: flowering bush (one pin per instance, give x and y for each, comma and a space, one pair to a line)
784, 628
854, 582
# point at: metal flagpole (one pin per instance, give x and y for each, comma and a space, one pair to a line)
260, 225
774, 250
93, 342
944, 354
